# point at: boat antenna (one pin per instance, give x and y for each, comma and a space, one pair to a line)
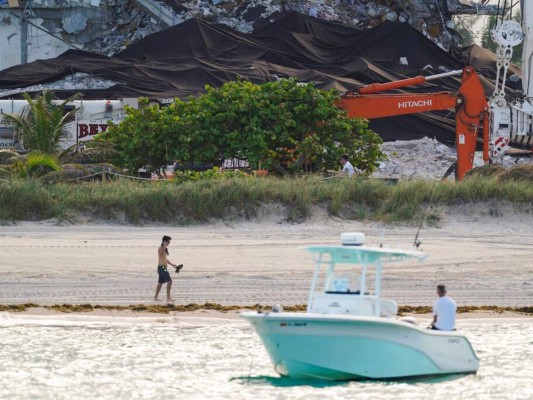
416, 242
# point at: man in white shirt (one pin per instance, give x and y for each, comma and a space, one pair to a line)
444, 311
347, 168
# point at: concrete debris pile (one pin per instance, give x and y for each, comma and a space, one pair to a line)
423, 158
108, 26
76, 81
426, 158
433, 18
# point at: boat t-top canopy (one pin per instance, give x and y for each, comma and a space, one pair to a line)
352, 252
361, 254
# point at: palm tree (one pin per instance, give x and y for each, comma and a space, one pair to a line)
89, 152
34, 165
41, 124
39, 129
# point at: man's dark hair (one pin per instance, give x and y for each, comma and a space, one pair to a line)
345, 157
166, 239
441, 288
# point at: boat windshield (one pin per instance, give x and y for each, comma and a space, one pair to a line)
343, 282
367, 260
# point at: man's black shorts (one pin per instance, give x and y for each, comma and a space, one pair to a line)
164, 276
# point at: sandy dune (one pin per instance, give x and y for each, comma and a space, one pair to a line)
484, 260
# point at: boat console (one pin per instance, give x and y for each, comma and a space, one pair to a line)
342, 280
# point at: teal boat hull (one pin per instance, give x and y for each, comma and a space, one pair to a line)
333, 347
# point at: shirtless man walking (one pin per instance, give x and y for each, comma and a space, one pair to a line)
164, 276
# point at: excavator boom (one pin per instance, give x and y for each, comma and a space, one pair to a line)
386, 105
470, 110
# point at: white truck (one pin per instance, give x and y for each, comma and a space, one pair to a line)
91, 118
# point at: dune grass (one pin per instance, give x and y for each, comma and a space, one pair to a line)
202, 201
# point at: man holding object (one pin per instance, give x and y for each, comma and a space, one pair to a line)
164, 276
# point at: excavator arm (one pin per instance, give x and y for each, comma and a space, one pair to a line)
470, 105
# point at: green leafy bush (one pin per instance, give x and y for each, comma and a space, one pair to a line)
285, 126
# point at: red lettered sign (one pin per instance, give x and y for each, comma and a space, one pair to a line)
86, 129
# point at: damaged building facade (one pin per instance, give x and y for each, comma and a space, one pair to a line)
42, 29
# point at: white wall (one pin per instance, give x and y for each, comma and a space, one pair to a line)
40, 45
10, 43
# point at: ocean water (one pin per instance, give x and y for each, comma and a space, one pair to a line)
180, 358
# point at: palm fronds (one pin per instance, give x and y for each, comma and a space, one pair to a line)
34, 165
40, 125
6, 156
89, 152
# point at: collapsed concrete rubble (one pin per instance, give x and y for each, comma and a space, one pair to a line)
76, 81
426, 158
108, 26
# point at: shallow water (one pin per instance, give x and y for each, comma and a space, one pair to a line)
184, 358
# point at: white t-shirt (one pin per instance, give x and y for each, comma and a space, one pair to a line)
348, 167
445, 308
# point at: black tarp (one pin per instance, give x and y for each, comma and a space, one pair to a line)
181, 60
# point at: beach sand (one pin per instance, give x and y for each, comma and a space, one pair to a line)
484, 257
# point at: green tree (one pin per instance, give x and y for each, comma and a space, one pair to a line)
284, 125
464, 31
143, 138
197, 133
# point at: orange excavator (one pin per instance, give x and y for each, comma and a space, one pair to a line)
470, 103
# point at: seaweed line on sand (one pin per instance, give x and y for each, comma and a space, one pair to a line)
166, 308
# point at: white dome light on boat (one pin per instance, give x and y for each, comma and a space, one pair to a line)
352, 239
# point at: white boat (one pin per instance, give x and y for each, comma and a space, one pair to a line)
349, 333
